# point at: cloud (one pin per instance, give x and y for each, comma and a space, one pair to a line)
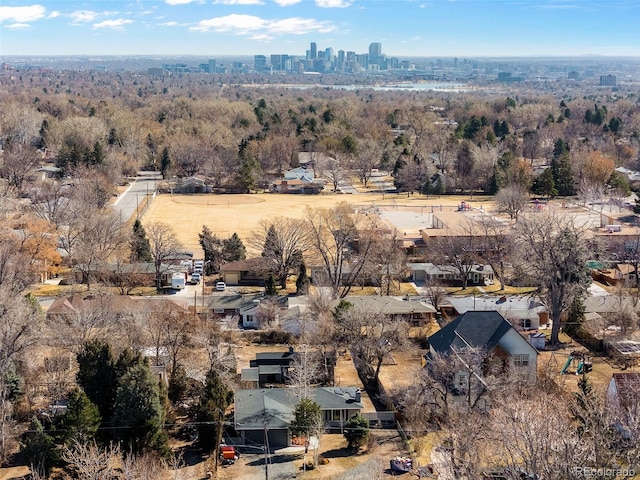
260, 28
83, 16
241, 24
168, 24
333, 3
18, 26
238, 2
116, 24
54, 14
286, 3
22, 14
178, 2
299, 26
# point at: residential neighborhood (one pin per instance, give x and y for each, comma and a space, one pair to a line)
203, 276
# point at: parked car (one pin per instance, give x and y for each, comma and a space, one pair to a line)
220, 286
195, 278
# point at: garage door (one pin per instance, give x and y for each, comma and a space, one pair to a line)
231, 278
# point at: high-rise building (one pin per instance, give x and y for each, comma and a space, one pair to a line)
608, 80
313, 51
276, 61
212, 66
259, 63
375, 53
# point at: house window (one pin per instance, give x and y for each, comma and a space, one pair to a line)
521, 360
525, 323
462, 381
249, 318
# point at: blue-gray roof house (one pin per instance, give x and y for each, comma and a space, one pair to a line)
270, 411
488, 332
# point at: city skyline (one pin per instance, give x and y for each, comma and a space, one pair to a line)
247, 27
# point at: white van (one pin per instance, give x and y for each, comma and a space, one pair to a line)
220, 286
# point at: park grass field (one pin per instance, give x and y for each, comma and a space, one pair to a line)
226, 214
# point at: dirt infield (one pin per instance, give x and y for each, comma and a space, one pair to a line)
226, 214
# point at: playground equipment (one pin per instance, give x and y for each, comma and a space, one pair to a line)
585, 365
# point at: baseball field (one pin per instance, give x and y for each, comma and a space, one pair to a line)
226, 214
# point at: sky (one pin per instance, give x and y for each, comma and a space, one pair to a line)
406, 28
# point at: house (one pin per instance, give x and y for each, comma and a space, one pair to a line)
268, 368
191, 185
623, 398
224, 305
269, 412
479, 274
505, 350
137, 273
312, 159
298, 180
249, 308
373, 275
50, 171
415, 312
633, 177
623, 391
252, 271
522, 311
621, 274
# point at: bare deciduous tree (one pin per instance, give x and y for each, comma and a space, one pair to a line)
553, 254
20, 326
304, 371
511, 200
18, 163
164, 247
89, 461
282, 241
332, 234
370, 335
366, 159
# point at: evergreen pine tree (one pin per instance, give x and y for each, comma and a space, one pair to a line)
212, 247
356, 431
140, 247
210, 412
575, 316
233, 249
302, 282
270, 287
562, 175
307, 417
39, 449
138, 411
97, 375
165, 162
81, 419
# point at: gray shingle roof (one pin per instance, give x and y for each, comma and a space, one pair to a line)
274, 407
478, 329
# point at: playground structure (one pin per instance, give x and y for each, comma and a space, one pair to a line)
584, 363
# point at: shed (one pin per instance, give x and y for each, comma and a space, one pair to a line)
537, 340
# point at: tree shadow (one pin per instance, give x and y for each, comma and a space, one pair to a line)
272, 459
339, 453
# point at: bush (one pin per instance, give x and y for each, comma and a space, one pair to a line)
279, 337
356, 431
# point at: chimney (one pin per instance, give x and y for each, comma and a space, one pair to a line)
358, 395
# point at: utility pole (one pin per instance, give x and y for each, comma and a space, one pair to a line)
266, 452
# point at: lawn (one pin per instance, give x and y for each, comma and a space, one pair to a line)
226, 214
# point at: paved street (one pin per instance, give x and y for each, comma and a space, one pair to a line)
131, 200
